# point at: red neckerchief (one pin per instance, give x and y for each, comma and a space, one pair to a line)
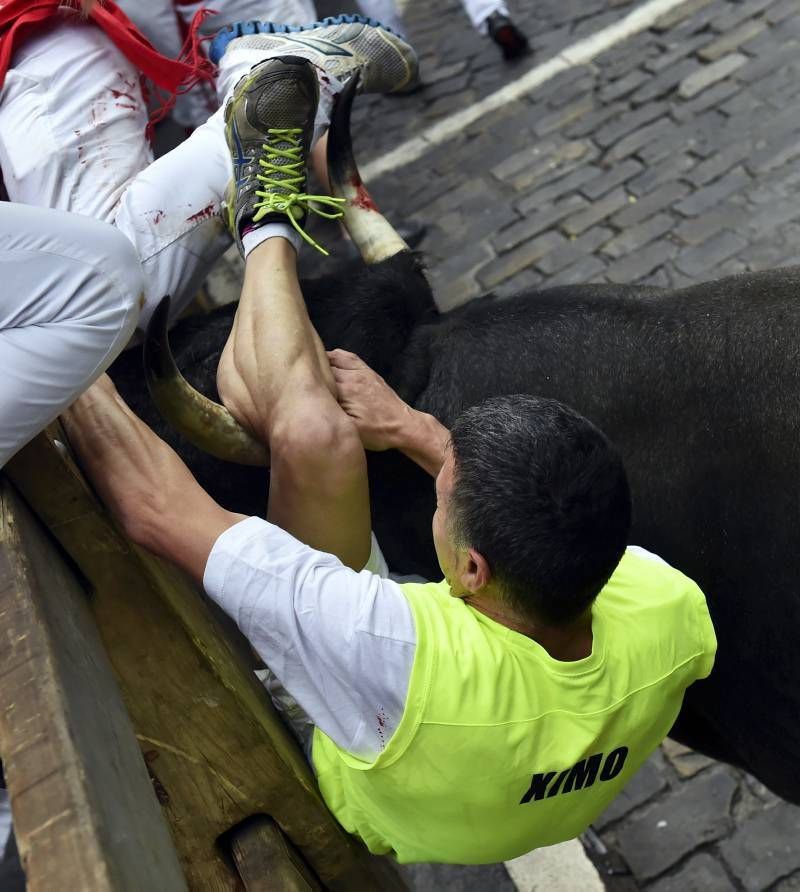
21, 18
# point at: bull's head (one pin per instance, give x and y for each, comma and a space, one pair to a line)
207, 424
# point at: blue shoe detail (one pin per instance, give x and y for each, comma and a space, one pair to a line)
219, 44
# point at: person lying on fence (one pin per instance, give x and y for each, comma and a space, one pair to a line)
550, 654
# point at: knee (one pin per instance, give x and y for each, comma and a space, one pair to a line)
317, 449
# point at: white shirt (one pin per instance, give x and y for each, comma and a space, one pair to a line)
341, 643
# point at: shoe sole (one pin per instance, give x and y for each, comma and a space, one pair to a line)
220, 42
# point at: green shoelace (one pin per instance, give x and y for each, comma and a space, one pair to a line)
283, 194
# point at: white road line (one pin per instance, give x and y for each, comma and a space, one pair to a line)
579, 53
561, 868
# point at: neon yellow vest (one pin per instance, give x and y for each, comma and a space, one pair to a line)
501, 748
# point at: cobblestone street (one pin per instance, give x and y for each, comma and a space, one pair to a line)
671, 158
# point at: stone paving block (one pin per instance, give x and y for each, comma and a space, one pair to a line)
636, 237
679, 49
678, 823
531, 156
444, 106
701, 873
649, 780
659, 173
685, 761
704, 199
507, 265
432, 75
765, 848
639, 264
561, 160
588, 269
575, 250
684, 110
614, 131
526, 280
664, 82
712, 168
623, 85
588, 124
777, 12
607, 179
662, 128
700, 260
738, 12
614, 64
532, 225
775, 154
732, 40
700, 229
772, 215
563, 116
767, 64
559, 187
659, 199
679, 14
448, 86
706, 77
597, 211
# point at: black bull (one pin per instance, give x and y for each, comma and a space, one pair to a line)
698, 388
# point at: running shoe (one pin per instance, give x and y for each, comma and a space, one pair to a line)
269, 122
339, 44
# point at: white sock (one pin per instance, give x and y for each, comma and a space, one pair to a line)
253, 238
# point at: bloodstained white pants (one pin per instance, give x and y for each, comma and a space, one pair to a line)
71, 289
72, 122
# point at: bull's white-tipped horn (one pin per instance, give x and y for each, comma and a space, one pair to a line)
371, 233
206, 424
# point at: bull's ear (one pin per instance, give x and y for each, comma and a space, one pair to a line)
370, 231
206, 424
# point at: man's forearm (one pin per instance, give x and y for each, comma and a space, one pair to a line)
424, 440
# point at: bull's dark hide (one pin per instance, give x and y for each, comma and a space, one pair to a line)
699, 389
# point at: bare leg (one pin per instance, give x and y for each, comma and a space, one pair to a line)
274, 376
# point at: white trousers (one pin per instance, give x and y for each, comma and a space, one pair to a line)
71, 289
72, 121
386, 11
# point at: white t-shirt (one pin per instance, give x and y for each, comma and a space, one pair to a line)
340, 643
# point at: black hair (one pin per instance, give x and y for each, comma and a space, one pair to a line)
542, 494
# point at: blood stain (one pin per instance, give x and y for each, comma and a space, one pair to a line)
207, 212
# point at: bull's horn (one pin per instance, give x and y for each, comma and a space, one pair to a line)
206, 424
372, 234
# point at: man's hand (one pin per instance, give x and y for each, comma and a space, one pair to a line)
378, 412
142, 480
383, 420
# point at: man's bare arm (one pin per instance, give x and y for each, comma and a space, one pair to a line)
383, 420
143, 482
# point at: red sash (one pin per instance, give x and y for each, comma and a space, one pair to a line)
21, 18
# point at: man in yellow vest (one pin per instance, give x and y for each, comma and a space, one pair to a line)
468, 720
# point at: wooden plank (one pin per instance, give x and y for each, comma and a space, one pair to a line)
267, 861
84, 811
216, 749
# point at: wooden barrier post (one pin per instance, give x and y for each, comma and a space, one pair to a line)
85, 816
215, 747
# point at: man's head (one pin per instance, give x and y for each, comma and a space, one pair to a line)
533, 508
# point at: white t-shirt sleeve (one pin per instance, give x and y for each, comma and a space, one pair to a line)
341, 643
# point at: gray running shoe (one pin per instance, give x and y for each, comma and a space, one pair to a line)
338, 45
269, 122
